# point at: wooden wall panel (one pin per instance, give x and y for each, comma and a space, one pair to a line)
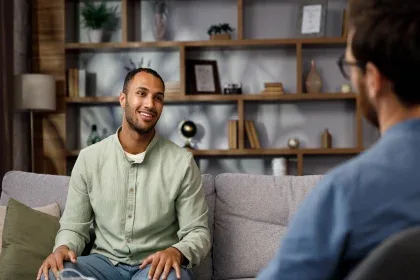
48, 57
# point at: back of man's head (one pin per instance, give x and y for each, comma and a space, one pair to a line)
387, 34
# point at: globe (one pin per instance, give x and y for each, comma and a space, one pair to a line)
188, 130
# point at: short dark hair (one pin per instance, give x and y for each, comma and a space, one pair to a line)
387, 34
130, 75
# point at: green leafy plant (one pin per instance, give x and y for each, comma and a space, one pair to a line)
219, 29
99, 16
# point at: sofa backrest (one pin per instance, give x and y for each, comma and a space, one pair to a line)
252, 214
34, 190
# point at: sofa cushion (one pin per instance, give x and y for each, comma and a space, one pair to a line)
252, 214
51, 209
34, 190
204, 270
28, 238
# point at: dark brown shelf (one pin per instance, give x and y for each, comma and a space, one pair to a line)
206, 43
221, 98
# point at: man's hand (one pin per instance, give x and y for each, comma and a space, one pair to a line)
162, 263
55, 261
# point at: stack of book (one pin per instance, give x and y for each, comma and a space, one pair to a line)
172, 87
273, 88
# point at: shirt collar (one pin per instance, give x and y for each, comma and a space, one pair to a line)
152, 143
411, 125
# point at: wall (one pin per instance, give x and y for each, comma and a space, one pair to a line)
275, 122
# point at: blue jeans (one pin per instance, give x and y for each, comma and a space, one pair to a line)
100, 268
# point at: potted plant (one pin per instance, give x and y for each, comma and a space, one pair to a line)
98, 19
220, 31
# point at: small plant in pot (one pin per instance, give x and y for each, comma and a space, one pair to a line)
98, 19
220, 31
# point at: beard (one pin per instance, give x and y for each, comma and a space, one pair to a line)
366, 105
133, 123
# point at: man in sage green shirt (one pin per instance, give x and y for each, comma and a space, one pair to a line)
142, 194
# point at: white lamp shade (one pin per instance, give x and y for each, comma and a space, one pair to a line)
35, 92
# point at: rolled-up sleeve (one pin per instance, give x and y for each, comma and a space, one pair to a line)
78, 214
192, 211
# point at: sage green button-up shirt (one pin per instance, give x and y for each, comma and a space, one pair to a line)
136, 209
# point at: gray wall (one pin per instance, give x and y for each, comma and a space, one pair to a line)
276, 122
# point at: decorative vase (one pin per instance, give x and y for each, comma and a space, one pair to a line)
160, 20
95, 35
326, 139
313, 81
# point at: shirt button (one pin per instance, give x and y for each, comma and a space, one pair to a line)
129, 216
131, 190
129, 240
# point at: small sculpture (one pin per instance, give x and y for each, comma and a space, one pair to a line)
188, 130
293, 143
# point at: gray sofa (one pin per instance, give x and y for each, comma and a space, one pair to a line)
248, 215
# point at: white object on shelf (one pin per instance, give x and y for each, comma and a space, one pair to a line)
278, 166
82, 82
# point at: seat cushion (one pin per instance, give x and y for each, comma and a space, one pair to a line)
252, 214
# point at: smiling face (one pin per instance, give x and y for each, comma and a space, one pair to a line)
143, 102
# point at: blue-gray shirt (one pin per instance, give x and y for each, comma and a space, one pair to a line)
353, 209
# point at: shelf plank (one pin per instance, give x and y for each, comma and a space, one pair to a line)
121, 45
207, 43
173, 98
299, 97
262, 152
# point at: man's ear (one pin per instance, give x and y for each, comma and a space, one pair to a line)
374, 81
123, 99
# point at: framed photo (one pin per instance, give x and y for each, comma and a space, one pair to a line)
312, 18
202, 77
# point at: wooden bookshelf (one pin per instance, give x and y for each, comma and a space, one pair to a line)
54, 55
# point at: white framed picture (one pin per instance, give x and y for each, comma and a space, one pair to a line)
312, 18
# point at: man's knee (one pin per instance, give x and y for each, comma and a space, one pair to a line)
185, 275
51, 275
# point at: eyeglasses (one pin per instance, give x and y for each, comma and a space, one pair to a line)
345, 66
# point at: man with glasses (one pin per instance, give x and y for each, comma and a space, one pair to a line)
377, 194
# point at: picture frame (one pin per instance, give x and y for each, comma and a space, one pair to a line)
202, 77
312, 17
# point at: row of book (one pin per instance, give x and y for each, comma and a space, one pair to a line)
250, 134
76, 82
